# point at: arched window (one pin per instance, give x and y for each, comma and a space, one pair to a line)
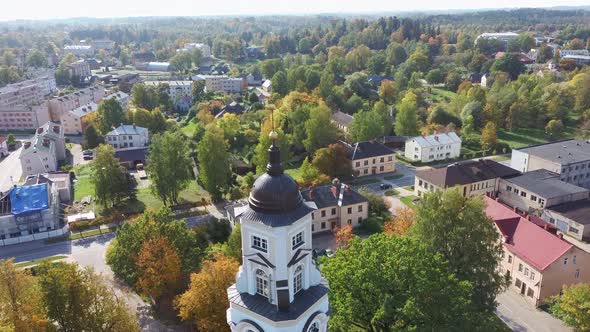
261, 283
315, 327
298, 279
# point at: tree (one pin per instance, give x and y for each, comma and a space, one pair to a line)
124, 249
308, 172
144, 97
205, 302
326, 86
91, 136
233, 246
554, 128
343, 235
401, 223
109, 114
280, 84
425, 298
80, 300
435, 76
169, 166
111, 184
36, 59
509, 63
11, 139
21, 299
214, 171
366, 125
444, 220
572, 306
406, 122
387, 91
320, 129
489, 136
198, 91
182, 61
452, 81
159, 267
332, 161
230, 125
475, 110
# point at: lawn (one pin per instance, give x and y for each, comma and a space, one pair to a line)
362, 182
83, 187
39, 261
394, 177
407, 200
439, 95
391, 192
189, 129
522, 137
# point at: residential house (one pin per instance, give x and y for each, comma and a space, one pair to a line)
61, 180
580, 60
537, 262
73, 121
485, 80
3, 147
80, 69
433, 147
121, 97
232, 108
479, 177
222, 83
267, 86
569, 158
30, 212
204, 48
571, 218
103, 44
63, 104
504, 37
342, 120
254, 79
565, 53
128, 137
80, 50
47, 148
534, 191
370, 157
180, 92
29, 92
337, 205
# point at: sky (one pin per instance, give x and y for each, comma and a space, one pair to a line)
51, 9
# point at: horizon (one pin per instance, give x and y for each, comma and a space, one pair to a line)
68, 9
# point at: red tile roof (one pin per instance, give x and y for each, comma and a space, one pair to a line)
525, 239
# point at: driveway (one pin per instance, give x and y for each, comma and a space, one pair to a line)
77, 156
406, 180
11, 170
520, 316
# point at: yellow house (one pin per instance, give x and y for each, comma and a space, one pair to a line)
370, 157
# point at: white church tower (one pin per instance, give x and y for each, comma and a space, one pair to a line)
278, 286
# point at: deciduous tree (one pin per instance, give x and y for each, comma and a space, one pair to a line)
401, 223
573, 306
109, 114
111, 184
489, 136
159, 267
332, 161
343, 235
406, 121
214, 171
320, 129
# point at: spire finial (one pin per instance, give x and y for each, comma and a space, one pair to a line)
274, 166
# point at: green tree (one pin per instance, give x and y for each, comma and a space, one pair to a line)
573, 306
214, 172
366, 125
320, 129
510, 64
109, 114
326, 86
111, 184
425, 298
91, 137
554, 128
280, 83
435, 76
308, 172
443, 221
196, 57
233, 246
36, 59
489, 136
198, 91
169, 166
144, 96
406, 122
332, 161
182, 61
80, 300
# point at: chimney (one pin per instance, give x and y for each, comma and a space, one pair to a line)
347, 188
334, 191
560, 236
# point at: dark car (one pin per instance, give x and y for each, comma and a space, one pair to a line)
385, 186
88, 154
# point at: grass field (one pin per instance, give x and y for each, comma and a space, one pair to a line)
39, 261
391, 192
442, 95
83, 187
522, 137
407, 200
189, 129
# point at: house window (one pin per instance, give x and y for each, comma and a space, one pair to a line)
366, 171
297, 240
530, 292
516, 191
381, 168
520, 267
508, 188
312, 228
349, 210
526, 271
565, 261
390, 158
577, 274
517, 282
298, 279
333, 211
382, 159
358, 164
532, 275
323, 213
261, 283
360, 208
360, 220
551, 220
259, 243
312, 215
574, 260
573, 230
509, 258
523, 193
323, 225
366, 162
349, 221
374, 161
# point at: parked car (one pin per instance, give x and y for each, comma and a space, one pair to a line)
88, 154
385, 186
141, 171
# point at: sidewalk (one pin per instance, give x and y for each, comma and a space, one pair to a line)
520, 316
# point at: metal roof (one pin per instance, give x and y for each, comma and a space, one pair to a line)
562, 152
545, 184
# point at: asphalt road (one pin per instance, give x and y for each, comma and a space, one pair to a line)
10, 170
520, 316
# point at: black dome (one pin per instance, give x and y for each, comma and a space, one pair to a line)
275, 191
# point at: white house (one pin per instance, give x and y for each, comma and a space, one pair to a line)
41, 155
433, 147
128, 137
278, 287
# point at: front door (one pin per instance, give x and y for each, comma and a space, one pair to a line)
523, 288
333, 225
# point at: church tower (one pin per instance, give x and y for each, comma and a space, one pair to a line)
278, 287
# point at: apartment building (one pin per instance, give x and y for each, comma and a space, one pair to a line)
337, 205
80, 68
571, 218
479, 177
534, 191
569, 158
121, 97
370, 157
537, 263
175, 89
103, 44
222, 83
565, 53
44, 151
23, 117
73, 121
29, 92
128, 137
504, 37
80, 50
30, 212
434, 147
60, 105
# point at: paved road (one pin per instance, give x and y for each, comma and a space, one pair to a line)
520, 316
11, 170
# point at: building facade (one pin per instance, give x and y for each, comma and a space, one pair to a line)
222, 83
571, 218
80, 50
128, 137
370, 157
73, 121
433, 147
279, 287
337, 206
569, 158
44, 151
80, 68
60, 105
204, 48
23, 117
121, 97
29, 92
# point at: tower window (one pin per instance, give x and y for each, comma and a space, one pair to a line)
297, 240
259, 243
298, 279
261, 283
